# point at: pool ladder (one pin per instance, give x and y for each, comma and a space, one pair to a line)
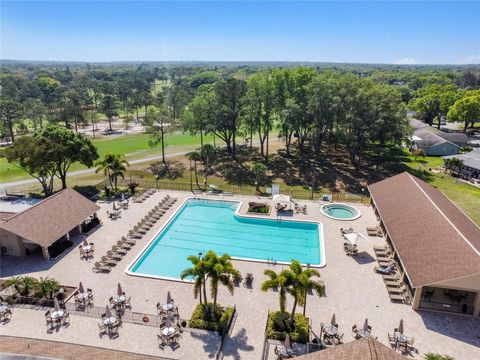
271, 261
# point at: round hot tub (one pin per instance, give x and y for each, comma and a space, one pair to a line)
340, 212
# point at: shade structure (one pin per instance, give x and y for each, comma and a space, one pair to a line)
333, 321
108, 313
80, 288
281, 198
351, 238
169, 298
119, 290
288, 342
56, 305
400, 327
365, 325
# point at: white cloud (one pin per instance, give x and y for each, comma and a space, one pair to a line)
406, 61
472, 59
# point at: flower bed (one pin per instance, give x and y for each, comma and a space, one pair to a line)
203, 318
258, 208
278, 325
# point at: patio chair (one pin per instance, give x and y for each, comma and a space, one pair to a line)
100, 267
102, 327
248, 282
131, 242
397, 290
354, 331
119, 251
134, 235
410, 341
66, 318
48, 319
123, 245
127, 303
162, 341
391, 339
393, 283
339, 337
346, 231
384, 263
111, 255
385, 270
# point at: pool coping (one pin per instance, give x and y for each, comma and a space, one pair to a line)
340, 219
323, 255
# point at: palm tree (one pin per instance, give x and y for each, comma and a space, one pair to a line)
300, 282
112, 165
220, 270
306, 284
199, 274
279, 281
23, 284
195, 156
432, 356
47, 287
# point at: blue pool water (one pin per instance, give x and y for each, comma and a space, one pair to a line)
203, 225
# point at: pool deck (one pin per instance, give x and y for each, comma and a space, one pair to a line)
353, 292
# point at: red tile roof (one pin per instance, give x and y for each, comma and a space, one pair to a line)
433, 238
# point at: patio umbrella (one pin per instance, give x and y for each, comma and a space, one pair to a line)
281, 198
108, 313
80, 288
400, 327
119, 290
56, 305
287, 343
169, 298
85, 243
351, 238
365, 325
333, 321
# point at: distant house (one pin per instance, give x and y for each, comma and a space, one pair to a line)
435, 142
45, 225
436, 245
471, 163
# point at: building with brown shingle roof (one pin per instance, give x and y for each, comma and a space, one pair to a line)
435, 243
57, 217
363, 349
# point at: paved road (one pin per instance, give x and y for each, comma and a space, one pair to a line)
4, 186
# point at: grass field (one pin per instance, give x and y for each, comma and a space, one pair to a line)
133, 146
466, 196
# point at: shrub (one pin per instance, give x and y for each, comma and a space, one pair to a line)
259, 208
202, 317
278, 325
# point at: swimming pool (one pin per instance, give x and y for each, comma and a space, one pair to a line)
202, 225
341, 212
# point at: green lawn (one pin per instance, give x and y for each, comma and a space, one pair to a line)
465, 196
133, 146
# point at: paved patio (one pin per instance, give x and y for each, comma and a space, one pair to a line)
353, 292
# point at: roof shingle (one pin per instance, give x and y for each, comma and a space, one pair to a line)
46, 222
433, 238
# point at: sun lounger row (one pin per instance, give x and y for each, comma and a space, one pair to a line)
144, 196
374, 231
114, 255
149, 220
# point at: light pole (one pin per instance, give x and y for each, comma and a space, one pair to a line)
191, 180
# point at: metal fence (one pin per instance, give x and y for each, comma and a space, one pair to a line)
246, 190
226, 331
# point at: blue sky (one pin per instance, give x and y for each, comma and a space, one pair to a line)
369, 32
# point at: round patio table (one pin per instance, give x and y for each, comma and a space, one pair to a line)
364, 333
167, 307
57, 314
110, 320
82, 296
331, 330
119, 299
167, 331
